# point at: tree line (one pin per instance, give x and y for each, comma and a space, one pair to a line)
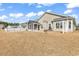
9, 24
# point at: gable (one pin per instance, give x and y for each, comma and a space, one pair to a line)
48, 17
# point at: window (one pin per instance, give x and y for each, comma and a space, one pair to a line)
69, 24
52, 22
61, 25
35, 26
57, 25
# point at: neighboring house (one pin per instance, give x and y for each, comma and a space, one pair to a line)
53, 22
2, 26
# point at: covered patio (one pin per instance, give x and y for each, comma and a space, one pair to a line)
34, 26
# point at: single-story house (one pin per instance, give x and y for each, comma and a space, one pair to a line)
2, 26
53, 22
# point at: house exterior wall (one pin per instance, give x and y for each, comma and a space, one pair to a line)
46, 19
67, 26
61, 23
2, 26
34, 26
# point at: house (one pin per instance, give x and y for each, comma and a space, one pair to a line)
53, 22
2, 26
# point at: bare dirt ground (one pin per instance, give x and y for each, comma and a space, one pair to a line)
39, 43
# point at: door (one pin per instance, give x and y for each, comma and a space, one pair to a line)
50, 28
38, 27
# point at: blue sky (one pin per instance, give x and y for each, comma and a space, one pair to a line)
23, 12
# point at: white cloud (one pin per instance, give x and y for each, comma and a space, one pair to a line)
68, 11
40, 13
46, 4
31, 14
29, 4
49, 11
2, 9
73, 5
11, 19
35, 1
38, 6
10, 7
0, 4
70, 6
19, 14
74, 15
3, 17
16, 15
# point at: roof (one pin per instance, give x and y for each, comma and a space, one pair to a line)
63, 16
31, 22
55, 14
60, 19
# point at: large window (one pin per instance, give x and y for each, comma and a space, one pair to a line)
35, 26
59, 25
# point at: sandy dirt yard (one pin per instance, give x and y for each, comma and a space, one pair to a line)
39, 43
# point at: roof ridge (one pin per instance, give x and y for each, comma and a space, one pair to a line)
64, 15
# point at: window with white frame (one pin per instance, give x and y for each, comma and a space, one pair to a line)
59, 25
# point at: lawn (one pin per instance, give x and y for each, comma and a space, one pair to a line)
39, 43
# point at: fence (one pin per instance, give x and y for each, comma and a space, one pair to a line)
15, 29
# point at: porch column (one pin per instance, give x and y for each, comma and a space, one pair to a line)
32, 26
37, 26
63, 27
72, 26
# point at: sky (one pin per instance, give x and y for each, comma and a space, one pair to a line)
23, 12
